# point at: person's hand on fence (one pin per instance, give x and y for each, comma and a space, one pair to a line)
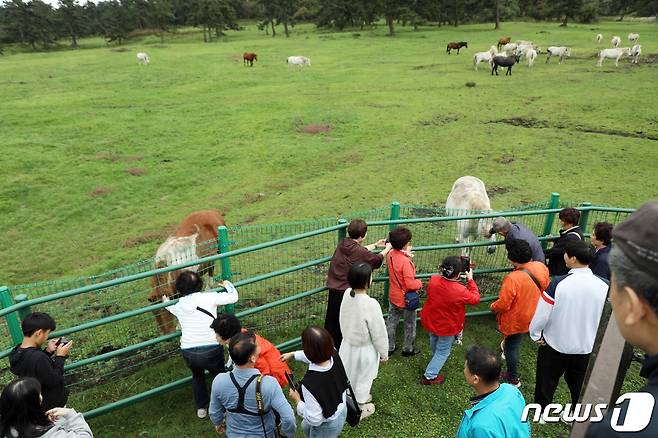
294, 396
381, 243
55, 413
52, 346
165, 298
64, 349
285, 357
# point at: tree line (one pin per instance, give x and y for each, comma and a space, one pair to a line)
40, 25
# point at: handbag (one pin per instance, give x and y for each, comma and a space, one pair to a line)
411, 297
353, 409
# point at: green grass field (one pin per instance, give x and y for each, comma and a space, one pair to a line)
101, 156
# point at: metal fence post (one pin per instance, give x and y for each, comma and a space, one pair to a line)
225, 263
584, 217
13, 323
342, 232
395, 214
550, 218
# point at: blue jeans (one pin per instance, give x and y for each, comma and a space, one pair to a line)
328, 429
511, 350
200, 359
440, 347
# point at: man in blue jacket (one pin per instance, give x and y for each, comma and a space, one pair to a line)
497, 408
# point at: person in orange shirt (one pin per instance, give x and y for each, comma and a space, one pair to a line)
517, 301
402, 279
269, 361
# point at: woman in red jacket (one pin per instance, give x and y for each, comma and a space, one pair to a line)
444, 313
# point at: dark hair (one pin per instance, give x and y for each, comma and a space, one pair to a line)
241, 347
450, 267
518, 250
483, 362
569, 215
188, 282
359, 276
626, 273
582, 251
37, 321
20, 408
357, 228
226, 325
603, 232
399, 237
317, 343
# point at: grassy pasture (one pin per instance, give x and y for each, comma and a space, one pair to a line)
101, 156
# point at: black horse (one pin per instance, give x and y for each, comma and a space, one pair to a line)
504, 61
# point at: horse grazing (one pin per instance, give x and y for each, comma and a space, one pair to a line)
249, 58
456, 45
143, 58
502, 41
299, 61
468, 194
195, 237
504, 61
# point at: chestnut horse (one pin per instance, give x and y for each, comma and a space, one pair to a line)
195, 237
502, 41
456, 46
249, 58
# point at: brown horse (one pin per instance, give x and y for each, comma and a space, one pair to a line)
502, 41
194, 238
249, 58
456, 46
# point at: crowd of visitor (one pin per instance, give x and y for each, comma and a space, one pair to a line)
554, 298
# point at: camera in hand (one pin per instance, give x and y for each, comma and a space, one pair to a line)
466, 264
62, 341
291, 381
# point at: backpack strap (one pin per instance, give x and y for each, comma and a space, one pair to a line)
534, 280
577, 235
207, 313
240, 409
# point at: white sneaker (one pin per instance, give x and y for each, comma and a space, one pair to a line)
202, 413
367, 410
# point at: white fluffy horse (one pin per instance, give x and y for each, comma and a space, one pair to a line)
143, 58
615, 54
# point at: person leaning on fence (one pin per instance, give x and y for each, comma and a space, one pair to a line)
47, 365
497, 408
321, 403
517, 302
565, 325
515, 230
634, 300
365, 341
601, 238
198, 344
22, 415
269, 363
569, 232
444, 313
401, 279
348, 252
234, 406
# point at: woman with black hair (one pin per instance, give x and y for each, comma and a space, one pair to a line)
365, 342
444, 313
21, 415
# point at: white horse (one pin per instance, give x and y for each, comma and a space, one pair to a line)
615, 41
510, 48
561, 52
143, 58
484, 56
599, 38
300, 61
531, 55
469, 194
636, 51
615, 54
633, 37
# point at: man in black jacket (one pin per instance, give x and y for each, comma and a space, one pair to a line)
47, 366
569, 232
634, 298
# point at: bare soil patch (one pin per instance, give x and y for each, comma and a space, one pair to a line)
136, 171
440, 119
497, 190
420, 67
315, 128
120, 49
101, 191
505, 159
146, 237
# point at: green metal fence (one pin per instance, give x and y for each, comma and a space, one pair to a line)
279, 270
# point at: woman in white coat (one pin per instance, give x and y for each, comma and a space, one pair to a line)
365, 342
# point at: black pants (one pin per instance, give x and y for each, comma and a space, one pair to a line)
551, 365
332, 319
198, 360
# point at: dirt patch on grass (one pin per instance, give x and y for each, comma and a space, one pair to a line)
136, 171
120, 49
112, 157
540, 124
101, 191
497, 190
148, 236
470, 84
505, 159
420, 67
439, 119
315, 128
251, 198
236, 57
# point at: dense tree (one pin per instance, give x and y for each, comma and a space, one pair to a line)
115, 20
72, 19
161, 14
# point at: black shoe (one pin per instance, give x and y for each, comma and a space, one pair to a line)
410, 353
390, 352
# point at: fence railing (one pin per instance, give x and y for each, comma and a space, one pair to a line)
279, 272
